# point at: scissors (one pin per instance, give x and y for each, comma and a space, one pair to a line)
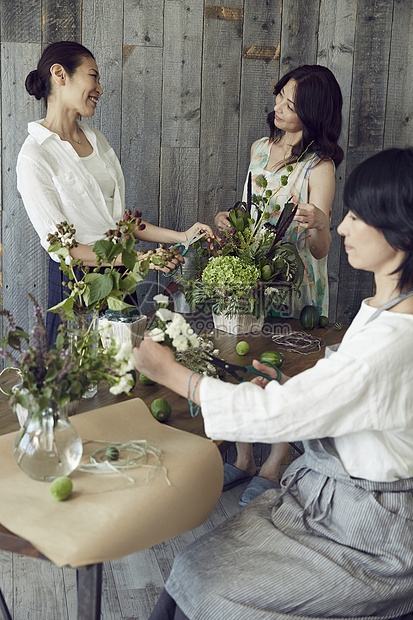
186, 244
233, 369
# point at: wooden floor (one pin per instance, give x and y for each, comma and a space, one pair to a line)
37, 590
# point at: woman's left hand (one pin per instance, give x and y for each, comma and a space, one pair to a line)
271, 372
309, 216
200, 228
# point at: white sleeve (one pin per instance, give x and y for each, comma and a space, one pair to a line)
366, 385
40, 197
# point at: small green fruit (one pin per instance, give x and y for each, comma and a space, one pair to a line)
309, 317
242, 347
323, 321
161, 409
145, 380
112, 453
337, 326
273, 357
61, 488
266, 272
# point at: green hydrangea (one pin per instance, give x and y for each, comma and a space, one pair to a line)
231, 272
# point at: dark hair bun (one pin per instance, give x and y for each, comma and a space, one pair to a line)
34, 84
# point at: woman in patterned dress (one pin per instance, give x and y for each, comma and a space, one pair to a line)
304, 128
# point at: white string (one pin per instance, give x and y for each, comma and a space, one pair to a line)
9, 368
298, 342
100, 464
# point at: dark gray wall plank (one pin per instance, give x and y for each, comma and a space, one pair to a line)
181, 99
61, 21
260, 71
143, 22
24, 261
102, 29
21, 21
398, 129
141, 128
219, 113
336, 51
299, 33
179, 187
370, 73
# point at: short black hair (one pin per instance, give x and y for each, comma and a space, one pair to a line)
380, 192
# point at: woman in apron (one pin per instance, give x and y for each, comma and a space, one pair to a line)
336, 541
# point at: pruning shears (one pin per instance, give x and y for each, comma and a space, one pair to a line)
185, 247
233, 369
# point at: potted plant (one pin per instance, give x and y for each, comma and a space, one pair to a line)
252, 269
92, 290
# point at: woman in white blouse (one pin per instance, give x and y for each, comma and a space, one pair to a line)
67, 171
337, 539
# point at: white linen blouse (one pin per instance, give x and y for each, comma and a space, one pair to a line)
55, 185
361, 395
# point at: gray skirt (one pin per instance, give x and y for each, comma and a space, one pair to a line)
326, 546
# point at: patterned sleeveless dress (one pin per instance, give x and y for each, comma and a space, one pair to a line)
314, 288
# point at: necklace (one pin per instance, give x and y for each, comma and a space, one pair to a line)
61, 134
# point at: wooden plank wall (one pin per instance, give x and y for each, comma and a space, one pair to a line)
188, 86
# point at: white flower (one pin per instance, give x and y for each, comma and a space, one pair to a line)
157, 334
124, 384
193, 340
161, 300
173, 330
180, 343
164, 314
124, 351
178, 319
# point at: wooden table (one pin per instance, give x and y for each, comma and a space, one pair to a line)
89, 578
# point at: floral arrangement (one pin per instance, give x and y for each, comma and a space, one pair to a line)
104, 286
62, 373
251, 268
173, 330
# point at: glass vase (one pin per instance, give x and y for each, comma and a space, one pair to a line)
77, 329
48, 445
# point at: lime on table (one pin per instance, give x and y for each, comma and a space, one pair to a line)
272, 357
242, 347
61, 488
161, 409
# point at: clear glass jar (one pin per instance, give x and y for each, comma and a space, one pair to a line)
48, 445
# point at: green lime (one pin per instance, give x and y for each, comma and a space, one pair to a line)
61, 488
161, 409
266, 272
323, 321
145, 380
242, 347
273, 357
